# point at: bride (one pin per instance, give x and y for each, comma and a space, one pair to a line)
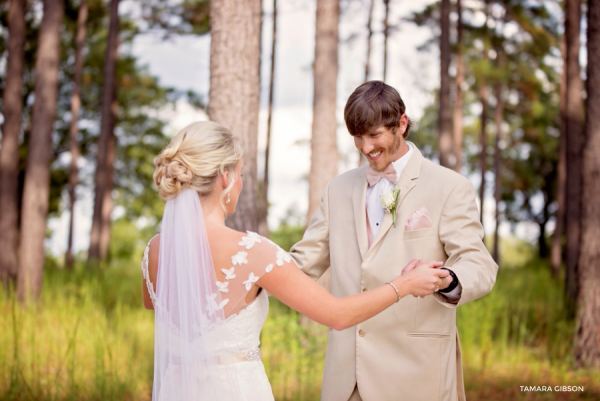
208, 283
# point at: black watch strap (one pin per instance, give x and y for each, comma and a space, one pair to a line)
453, 284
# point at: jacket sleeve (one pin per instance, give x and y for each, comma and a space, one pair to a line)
461, 233
311, 254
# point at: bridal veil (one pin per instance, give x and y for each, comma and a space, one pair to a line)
184, 365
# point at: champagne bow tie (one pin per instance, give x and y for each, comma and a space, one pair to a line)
389, 174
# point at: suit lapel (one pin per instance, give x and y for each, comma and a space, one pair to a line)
359, 195
407, 181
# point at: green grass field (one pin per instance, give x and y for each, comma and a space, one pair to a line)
89, 338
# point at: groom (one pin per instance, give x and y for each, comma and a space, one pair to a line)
411, 350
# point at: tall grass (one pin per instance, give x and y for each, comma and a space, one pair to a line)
89, 338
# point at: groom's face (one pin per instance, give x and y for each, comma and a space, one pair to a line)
382, 146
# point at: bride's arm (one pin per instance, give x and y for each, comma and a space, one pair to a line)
291, 286
152, 272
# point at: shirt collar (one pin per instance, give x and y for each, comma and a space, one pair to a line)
401, 163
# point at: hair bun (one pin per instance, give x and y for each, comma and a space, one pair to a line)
194, 159
171, 176
179, 171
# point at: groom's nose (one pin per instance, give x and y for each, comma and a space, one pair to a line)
367, 146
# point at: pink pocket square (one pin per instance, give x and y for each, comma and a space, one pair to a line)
419, 220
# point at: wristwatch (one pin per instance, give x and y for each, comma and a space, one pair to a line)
453, 284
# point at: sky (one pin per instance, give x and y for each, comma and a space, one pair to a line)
183, 63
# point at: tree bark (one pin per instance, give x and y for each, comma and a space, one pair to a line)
324, 157
457, 129
103, 178
444, 118
73, 129
361, 158
483, 141
369, 40
263, 227
557, 239
574, 125
587, 348
12, 108
386, 34
235, 89
107, 203
498, 118
37, 175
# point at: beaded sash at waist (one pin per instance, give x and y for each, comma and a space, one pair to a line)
244, 356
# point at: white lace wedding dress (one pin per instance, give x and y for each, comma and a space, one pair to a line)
235, 340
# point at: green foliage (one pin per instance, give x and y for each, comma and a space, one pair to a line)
517, 50
290, 230
139, 129
127, 240
182, 17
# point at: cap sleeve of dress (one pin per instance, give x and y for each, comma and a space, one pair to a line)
255, 257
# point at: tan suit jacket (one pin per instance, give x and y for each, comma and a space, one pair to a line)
411, 350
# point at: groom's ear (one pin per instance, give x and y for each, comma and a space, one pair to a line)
403, 124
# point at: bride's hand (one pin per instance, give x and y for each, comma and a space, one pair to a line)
423, 278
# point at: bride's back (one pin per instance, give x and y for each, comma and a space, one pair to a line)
239, 260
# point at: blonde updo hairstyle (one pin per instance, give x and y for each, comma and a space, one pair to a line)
195, 158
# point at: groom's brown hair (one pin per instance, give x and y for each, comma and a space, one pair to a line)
372, 105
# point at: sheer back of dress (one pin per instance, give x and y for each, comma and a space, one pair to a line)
255, 257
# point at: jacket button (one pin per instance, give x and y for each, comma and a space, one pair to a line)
361, 333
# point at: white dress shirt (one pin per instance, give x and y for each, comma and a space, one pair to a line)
375, 210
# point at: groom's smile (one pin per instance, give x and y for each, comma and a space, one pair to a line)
382, 146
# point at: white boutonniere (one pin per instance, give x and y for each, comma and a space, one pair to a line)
389, 201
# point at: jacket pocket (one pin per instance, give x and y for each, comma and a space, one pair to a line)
426, 232
429, 335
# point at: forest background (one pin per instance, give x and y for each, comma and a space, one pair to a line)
504, 92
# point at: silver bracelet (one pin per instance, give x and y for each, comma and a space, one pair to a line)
395, 289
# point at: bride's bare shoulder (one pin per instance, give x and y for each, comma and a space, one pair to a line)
224, 237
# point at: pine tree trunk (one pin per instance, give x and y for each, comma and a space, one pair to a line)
498, 117
483, 143
557, 239
386, 34
457, 129
73, 129
361, 158
103, 178
263, 227
12, 108
574, 125
324, 157
444, 118
587, 348
107, 203
37, 176
369, 40
235, 89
